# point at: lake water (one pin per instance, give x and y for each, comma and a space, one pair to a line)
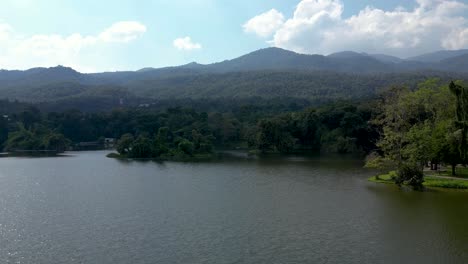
86, 208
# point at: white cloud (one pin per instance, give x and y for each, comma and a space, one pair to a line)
318, 26
20, 52
264, 25
124, 31
457, 39
308, 9
186, 43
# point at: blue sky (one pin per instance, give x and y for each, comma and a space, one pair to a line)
88, 34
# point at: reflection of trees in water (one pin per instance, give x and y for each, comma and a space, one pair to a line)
416, 222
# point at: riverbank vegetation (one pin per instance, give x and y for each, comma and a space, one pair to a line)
432, 181
35, 139
181, 145
421, 128
181, 133
402, 129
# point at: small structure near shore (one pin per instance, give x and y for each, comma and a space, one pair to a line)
102, 143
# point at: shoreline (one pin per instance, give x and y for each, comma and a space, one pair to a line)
430, 181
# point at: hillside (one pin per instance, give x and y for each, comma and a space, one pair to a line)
439, 55
266, 73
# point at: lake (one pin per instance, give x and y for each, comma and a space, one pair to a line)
86, 208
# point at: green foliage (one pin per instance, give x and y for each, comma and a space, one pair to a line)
37, 138
411, 175
23, 139
59, 89
186, 134
55, 141
124, 144
339, 127
141, 148
422, 126
3, 130
29, 117
461, 94
416, 124
161, 142
375, 161
429, 181
445, 183
462, 172
186, 147
385, 177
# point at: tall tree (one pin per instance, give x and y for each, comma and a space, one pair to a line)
461, 94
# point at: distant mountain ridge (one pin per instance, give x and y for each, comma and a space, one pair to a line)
346, 61
278, 59
439, 56
266, 72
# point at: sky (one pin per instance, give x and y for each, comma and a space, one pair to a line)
104, 35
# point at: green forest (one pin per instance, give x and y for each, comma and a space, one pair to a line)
403, 129
339, 127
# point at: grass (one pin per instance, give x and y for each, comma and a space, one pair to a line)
429, 181
434, 181
383, 178
460, 171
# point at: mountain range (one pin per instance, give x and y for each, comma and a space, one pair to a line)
270, 72
345, 61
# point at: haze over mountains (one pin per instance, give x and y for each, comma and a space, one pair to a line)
267, 73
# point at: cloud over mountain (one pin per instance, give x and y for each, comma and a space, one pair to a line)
265, 24
19, 52
186, 43
318, 26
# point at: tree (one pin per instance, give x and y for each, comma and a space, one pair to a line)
265, 138
417, 129
56, 141
30, 116
21, 139
450, 151
160, 145
394, 122
411, 175
124, 144
3, 130
418, 144
35, 139
375, 161
186, 147
461, 94
141, 148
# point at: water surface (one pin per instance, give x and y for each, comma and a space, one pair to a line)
86, 208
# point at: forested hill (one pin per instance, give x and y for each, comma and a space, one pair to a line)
267, 73
345, 62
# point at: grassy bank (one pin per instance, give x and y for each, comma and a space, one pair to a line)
429, 181
460, 171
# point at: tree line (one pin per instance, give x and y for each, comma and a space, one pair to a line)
403, 128
338, 127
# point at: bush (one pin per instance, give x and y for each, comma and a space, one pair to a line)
411, 175
141, 148
124, 144
186, 147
